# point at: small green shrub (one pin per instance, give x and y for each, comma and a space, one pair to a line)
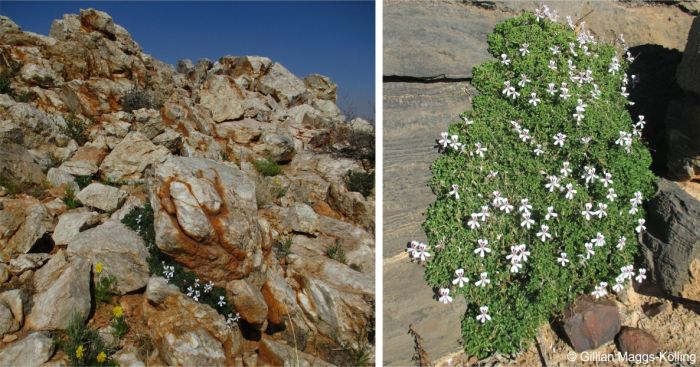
505, 165
359, 181
137, 99
118, 323
282, 246
5, 82
83, 181
75, 129
140, 219
70, 200
83, 346
104, 285
267, 167
336, 252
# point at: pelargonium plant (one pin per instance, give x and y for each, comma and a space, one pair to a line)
540, 186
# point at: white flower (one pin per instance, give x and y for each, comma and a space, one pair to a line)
538, 150
444, 140
504, 59
509, 91
483, 248
629, 56
563, 259
564, 91
525, 206
587, 212
484, 315
515, 254
515, 267
466, 120
617, 288
552, 65
627, 272
555, 50
208, 287
445, 296
589, 174
600, 290
196, 296
614, 65
506, 207
454, 142
460, 280
533, 99
570, 191
641, 275
498, 200
637, 199
640, 124
621, 242
455, 191
553, 183
543, 234
602, 207
473, 223
190, 291
523, 49
623, 91
483, 280
611, 196
527, 221
551, 89
221, 302
559, 139
479, 150
571, 65
550, 213
196, 283
586, 139
524, 253
412, 248
524, 135
566, 169
599, 240
484, 214
589, 250
523, 80
640, 225
168, 272
421, 252
595, 93
231, 320
572, 47
625, 140
580, 109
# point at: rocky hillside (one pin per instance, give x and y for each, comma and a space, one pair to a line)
217, 213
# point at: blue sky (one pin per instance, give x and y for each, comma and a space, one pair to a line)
335, 39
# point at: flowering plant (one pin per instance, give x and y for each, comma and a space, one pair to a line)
540, 186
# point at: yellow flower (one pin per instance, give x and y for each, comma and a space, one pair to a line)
117, 311
98, 268
101, 357
79, 352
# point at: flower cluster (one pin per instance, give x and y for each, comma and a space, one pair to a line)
537, 194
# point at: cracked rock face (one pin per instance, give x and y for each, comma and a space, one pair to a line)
206, 216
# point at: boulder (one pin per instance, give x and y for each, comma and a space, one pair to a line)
85, 162
280, 83
186, 332
672, 240
103, 197
277, 145
301, 218
637, 342
16, 162
130, 157
121, 251
248, 301
321, 87
278, 354
683, 134
222, 97
241, 132
590, 323
40, 74
25, 262
686, 74
33, 350
62, 291
11, 311
58, 177
206, 216
71, 223
23, 221
99, 21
